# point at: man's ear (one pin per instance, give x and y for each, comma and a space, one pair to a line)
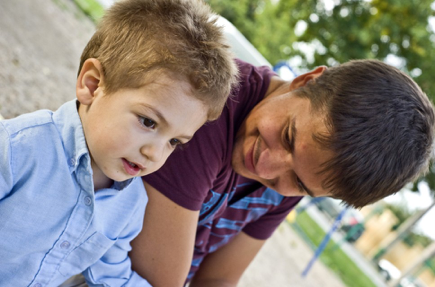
89, 80
303, 79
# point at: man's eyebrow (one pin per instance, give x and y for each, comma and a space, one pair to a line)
310, 193
293, 132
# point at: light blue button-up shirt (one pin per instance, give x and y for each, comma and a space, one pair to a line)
52, 223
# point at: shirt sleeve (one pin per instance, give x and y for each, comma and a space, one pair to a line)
6, 179
264, 227
114, 268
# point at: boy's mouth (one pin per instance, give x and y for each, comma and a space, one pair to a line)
131, 168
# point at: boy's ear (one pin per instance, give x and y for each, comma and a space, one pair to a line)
89, 80
303, 79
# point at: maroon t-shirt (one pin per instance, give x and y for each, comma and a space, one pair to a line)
199, 176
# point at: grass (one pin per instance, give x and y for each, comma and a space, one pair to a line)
91, 8
333, 257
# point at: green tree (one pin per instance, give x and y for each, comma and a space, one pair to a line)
351, 29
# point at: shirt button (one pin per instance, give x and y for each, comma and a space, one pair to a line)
88, 200
72, 161
65, 245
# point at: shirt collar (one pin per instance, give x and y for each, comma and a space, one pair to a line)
69, 125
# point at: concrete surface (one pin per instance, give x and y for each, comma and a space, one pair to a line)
40, 46
281, 262
40, 43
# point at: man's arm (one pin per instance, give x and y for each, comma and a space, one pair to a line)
162, 252
225, 266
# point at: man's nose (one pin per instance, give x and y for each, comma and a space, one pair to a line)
273, 163
153, 151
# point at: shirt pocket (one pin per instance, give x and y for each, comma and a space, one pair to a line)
86, 254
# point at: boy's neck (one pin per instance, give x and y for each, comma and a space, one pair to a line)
99, 178
100, 183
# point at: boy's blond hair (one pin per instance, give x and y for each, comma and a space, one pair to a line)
138, 40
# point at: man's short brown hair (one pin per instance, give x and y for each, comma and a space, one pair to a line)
137, 40
381, 129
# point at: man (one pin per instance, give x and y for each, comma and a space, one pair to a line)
358, 132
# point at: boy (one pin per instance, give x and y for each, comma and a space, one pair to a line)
70, 201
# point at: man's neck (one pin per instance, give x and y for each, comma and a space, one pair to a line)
276, 83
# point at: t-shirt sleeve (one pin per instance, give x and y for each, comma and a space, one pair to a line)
192, 171
264, 227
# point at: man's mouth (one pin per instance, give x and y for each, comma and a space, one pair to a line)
249, 158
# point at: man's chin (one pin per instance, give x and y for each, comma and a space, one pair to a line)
241, 169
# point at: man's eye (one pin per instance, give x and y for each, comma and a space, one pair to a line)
287, 139
300, 185
149, 123
174, 142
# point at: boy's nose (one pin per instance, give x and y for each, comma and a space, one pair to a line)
153, 151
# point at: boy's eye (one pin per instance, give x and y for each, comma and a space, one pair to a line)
149, 123
174, 142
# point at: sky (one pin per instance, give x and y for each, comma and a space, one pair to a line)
106, 3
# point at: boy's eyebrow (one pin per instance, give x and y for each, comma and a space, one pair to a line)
155, 111
163, 119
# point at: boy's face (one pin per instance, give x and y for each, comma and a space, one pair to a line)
133, 131
275, 146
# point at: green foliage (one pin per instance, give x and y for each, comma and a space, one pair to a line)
429, 178
430, 263
352, 29
413, 238
92, 8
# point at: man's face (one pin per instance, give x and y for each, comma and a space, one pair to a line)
133, 131
275, 145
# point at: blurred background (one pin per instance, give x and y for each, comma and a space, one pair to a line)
390, 243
